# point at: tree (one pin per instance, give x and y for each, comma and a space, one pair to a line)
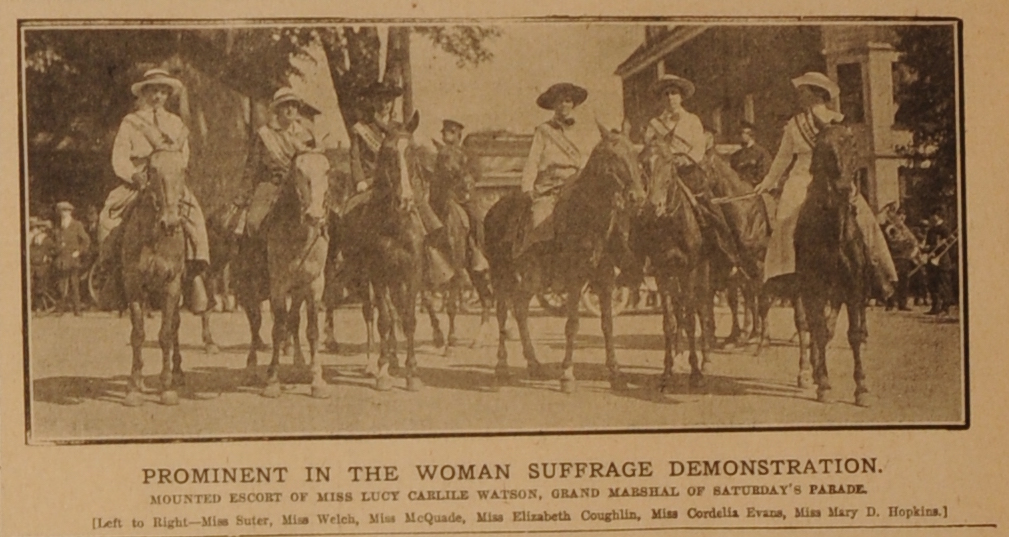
927, 107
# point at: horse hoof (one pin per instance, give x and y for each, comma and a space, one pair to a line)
332, 346
383, 384
438, 340
697, 380
371, 370
211, 348
864, 399
271, 391
729, 346
414, 384
805, 380
178, 379
133, 399
568, 385
453, 341
321, 391
825, 396
170, 398
536, 371
250, 378
667, 385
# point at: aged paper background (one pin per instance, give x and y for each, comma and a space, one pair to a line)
60, 490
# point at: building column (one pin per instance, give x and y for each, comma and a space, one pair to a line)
880, 110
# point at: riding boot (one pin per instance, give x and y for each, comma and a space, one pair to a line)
440, 269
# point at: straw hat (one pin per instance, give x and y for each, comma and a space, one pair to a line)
158, 77
665, 82
818, 80
287, 95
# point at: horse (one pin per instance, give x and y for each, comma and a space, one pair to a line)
591, 221
153, 251
296, 247
384, 239
832, 266
450, 175
668, 233
746, 214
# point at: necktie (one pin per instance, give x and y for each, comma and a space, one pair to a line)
156, 118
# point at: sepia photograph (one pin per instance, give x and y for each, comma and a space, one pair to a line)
326, 228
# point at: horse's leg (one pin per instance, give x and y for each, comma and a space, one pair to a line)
706, 311
604, 290
521, 309
166, 339
135, 386
802, 326
330, 331
857, 335
278, 306
437, 336
732, 296
763, 305
208, 337
452, 296
501, 369
482, 285
320, 389
404, 299
690, 321
749, 328
821, 327
255, 318
294, 329
368, 313
670, 331
178, 377
386, 333
572, 299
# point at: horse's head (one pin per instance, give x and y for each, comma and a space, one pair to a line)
310, 178
393, 170
615, 160
835, 164
166, 171
661, 164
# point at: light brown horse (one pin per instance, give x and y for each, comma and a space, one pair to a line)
153, 259
296, 246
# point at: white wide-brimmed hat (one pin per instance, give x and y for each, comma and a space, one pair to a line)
288, 95
817, 80
158, 77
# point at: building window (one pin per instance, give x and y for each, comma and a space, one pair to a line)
849, 78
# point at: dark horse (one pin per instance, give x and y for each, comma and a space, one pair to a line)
450, 175
832, 266
296, 247
153, 260
669, 235
384, 239
591, 220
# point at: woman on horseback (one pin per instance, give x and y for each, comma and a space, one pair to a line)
679, 133
554, 159
789, 178
149, 129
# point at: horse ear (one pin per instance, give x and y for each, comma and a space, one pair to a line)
437, 144
603, 131
414, 121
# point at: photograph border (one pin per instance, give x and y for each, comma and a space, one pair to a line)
84, 23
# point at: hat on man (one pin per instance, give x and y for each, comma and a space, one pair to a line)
64, 206
558, 92
818, 80
382, 90
666, 82
157, 77
451, 125
287, 95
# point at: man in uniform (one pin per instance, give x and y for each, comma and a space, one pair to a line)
682, 133
152, 128
938, 245
752, 161
903, 248
71, 242
457, 189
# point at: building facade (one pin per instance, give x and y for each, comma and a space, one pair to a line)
743, 73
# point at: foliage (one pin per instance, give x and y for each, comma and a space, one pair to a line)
927, 107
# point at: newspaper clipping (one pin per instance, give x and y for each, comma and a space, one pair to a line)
435, 268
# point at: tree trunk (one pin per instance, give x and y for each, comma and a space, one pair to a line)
353, 68
397, 65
